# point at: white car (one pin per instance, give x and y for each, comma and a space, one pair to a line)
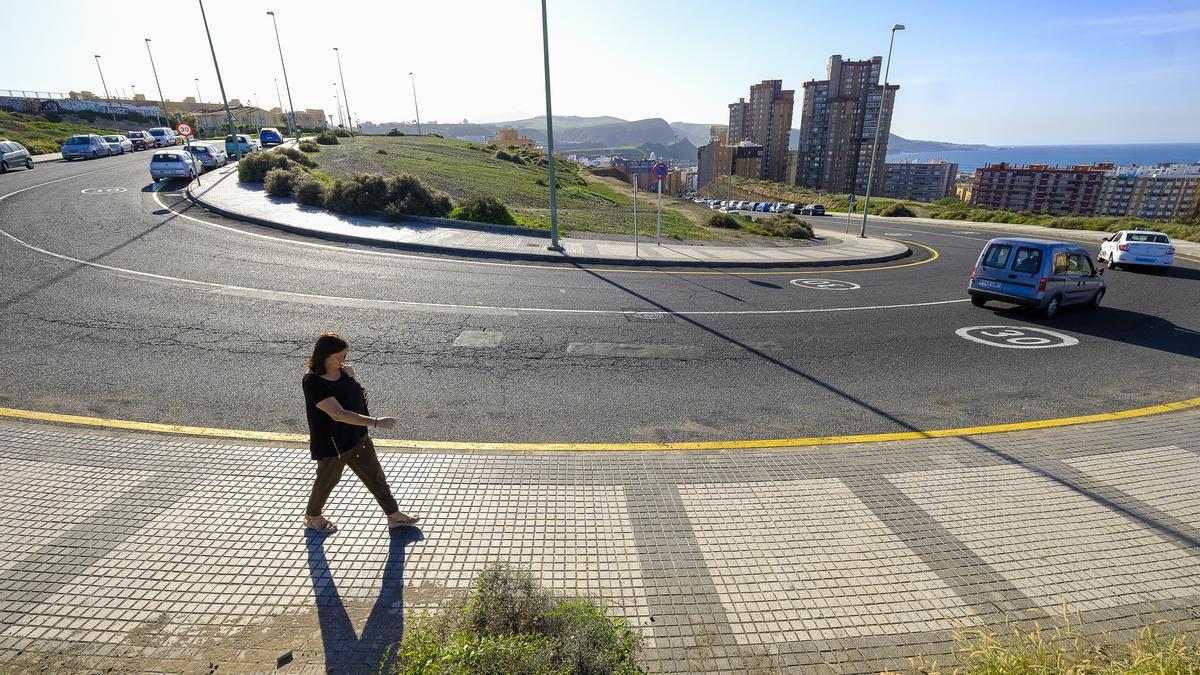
174, 164
1138, 247
119, 145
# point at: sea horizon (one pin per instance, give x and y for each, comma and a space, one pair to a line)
1121, 154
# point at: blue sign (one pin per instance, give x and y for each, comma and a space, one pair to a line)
660, 170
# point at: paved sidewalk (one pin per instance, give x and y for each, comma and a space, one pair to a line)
220, 192
1187, 248
133, 553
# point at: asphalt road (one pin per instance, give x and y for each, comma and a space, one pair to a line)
123, 304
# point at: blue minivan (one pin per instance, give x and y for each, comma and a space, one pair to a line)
1044, 275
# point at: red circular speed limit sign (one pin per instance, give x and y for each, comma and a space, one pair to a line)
184, 129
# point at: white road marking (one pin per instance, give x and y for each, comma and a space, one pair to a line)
1016, 337
826, 284
102, 190
634, 351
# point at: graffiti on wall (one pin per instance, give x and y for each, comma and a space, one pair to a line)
74, 105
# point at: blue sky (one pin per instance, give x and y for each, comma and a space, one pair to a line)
999, 73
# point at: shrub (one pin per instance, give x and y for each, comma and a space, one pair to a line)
310, 191
381, 151
327, 138
395, 132
360, 194
500, 154
309, 146
436, 135
407, 196
508, 623
785, 225
484, 210
896, 210
724, 220
280, 182
342, 133
253, 167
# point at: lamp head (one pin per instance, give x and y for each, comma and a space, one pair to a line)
270, 13
898, 26
147, 39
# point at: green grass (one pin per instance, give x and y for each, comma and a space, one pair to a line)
41, 136
467, 170
739, 187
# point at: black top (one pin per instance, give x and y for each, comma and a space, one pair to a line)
326, 437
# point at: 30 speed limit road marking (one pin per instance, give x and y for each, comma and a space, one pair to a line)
1016, 337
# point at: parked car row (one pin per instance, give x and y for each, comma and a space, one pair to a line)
1048, 275
187, 162
731, 206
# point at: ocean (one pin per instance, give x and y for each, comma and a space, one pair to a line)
1061, 155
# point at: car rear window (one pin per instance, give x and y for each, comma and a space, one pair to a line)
1028, 260
77, 140
997, 256
158, 132
167, 157
1147, 238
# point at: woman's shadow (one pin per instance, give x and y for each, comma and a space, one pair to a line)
345, 651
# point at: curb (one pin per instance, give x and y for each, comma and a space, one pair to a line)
521, 255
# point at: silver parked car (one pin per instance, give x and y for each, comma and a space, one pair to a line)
118, 144
85, 146
164, 136
12, 155
174, 164
209, 154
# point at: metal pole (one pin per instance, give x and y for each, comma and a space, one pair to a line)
415, 106
554, 245
658, 233
237, 155
280, 99
107, 99
849, 210
337, 104
862, 232
287, 86
636, 254
199, 99
345, 99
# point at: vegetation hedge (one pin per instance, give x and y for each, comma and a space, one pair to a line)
897, 211
394, 196
484, 210
507, 623
280, 182
253, 168
783, 225
309, 146
327, 138
310, 191
342, 133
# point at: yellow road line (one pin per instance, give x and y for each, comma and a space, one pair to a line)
457, 446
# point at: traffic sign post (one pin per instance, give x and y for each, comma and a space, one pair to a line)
184, 129
660, 172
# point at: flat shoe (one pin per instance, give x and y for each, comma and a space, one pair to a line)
326, 527
408, 520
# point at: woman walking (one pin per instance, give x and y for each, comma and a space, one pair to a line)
338, 419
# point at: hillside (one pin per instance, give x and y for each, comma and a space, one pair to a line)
42, 136
466, 170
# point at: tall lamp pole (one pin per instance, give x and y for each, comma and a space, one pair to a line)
415, 107
554, 245
285, 77
199, 99
162, 104
345, 99
862, 232
107, 99
337, 104
237, 155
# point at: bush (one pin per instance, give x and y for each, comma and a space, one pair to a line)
381, 151
280, 182
500, 154
724, 220
395, 132
253, 167
484, 210
785, 225
342, 133
309, 146
310, 191
435, 135
358, 195
327, 138
896, 211
408, 196
508, 623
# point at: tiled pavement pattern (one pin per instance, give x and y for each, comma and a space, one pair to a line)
145, 553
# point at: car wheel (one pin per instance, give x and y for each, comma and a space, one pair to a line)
978, 301
95, 154
3, 167
1095, 303
1110, 264
1051, 307
29, 163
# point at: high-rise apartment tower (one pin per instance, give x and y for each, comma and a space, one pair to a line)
765, 120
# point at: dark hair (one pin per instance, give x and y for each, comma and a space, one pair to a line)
327, 345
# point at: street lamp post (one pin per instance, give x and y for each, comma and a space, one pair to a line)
345, 98
554, 245
416, 108
285, 77
107, 99
338, 105
237, 155
199, 99
862, 232
162, 104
